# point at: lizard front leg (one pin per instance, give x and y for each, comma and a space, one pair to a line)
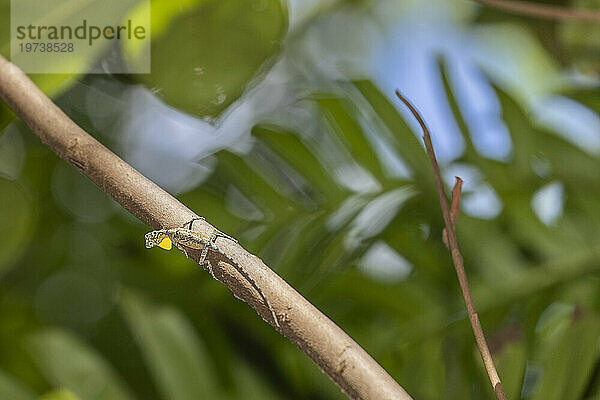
217, 234
189, 224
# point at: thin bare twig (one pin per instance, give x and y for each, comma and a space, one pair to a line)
454, 208
449, 218
455, 205
340, 357
545, 11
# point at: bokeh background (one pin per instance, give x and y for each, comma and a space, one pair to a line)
277, 121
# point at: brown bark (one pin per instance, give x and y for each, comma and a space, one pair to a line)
545, 11
340, 357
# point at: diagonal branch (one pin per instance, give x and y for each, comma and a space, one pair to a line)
452, 244
454, 209
455, 205
545, 11
340, 357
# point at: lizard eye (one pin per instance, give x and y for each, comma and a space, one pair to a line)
158, 239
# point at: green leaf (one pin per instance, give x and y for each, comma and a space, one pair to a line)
12, 389
62, 394
174, 354
70, 363
511, 363
16, 214
250, 384
78, 195
569, 362
399, 135
342, 116
72, 12
203, 60
427, 364
579, 42
301, 158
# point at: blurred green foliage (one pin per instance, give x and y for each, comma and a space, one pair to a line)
215, 57
87, 313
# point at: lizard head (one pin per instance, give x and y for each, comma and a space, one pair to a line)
158, 238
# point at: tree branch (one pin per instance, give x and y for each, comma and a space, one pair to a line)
454, 209
449, 219
357, 374
545, 11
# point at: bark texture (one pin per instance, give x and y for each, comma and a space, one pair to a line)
340, 357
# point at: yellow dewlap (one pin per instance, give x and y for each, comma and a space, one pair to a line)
166, 243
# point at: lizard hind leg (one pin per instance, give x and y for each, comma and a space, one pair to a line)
217, 234
242, 271
205, 263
